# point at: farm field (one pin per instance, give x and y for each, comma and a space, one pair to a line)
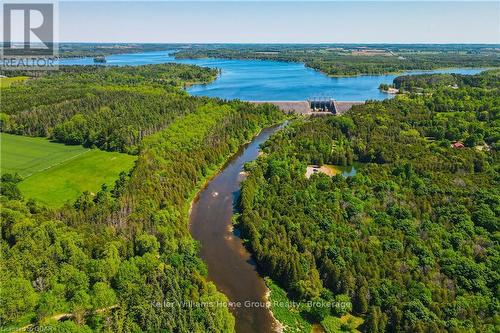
6, 82
55, 173
27, 155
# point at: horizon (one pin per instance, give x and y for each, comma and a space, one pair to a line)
279, 22
241, 166
285, 43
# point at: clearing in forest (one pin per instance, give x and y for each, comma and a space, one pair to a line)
55, 173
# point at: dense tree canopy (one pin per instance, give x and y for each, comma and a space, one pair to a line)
412, 238
120, 260
107, 107
489, 79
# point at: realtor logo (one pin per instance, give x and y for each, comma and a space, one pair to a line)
28, 28
28, 34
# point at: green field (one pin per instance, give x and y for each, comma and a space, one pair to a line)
55, 173
26, 155
6, 82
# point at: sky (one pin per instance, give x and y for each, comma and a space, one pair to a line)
280, 21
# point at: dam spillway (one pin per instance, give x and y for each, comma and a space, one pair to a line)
314, 107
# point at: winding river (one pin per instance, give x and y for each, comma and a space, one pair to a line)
230, 266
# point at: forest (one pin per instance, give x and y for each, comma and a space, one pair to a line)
111, 260
108, 108
351, 60
412, 238
430, 81
68, 50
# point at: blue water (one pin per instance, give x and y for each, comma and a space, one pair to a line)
348, 171
261, 80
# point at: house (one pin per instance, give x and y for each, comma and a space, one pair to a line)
457, 145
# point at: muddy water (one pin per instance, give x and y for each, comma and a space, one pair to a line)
230, 266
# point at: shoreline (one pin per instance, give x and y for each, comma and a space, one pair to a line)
279, 327
400, 72
275, 324
206, 180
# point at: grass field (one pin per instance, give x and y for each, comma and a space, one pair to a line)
27, 156
55, 173
6, 82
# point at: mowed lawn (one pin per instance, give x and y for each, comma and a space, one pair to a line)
55, 173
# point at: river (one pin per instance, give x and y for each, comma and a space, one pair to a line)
230, 266
261, 80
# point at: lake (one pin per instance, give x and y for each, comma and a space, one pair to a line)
261, 80
230, 266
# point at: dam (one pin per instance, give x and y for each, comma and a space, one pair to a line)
314, 106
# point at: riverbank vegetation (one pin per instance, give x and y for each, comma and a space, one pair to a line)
121, 259
351, 60
411, 239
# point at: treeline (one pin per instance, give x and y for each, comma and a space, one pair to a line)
122, 260
113, 259
67, 50
351, 60
162, 75
411, 238
488, 79
109, 108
